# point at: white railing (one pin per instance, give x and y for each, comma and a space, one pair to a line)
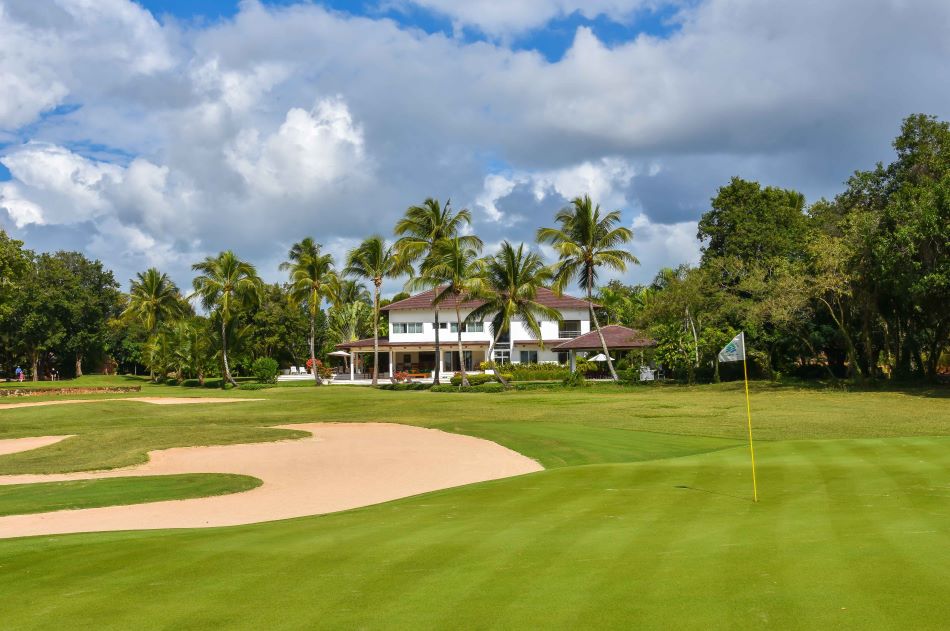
568, 333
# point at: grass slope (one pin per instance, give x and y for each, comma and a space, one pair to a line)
19, 499
643, 520
850, 534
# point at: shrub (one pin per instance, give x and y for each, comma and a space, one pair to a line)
255, 386
574, 380
265, 370
477, 379
405, 386
531, 372
214, 382
485, 387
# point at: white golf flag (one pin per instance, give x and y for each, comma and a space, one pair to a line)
734, 351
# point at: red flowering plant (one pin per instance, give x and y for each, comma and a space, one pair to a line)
401, 375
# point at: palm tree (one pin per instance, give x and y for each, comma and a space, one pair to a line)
585, 241
420, 229
311, 278
508, 284
453, 271
373, 260
343, 291
226, 285
153, 299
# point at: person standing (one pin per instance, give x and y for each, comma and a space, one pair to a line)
19, 374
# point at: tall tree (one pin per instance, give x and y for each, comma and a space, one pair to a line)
311, 278
585, 241
753, 223
420, 230
153, 299
226, 286
94, 299
453, 271
507, 284
375, 261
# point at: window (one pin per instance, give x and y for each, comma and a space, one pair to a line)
569, 328
529, 357
442, 325
502, 357
407, 327
471, 327
563, 357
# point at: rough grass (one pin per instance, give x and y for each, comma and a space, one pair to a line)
19, 499
643, 520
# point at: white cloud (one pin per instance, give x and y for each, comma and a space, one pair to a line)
662, 245
507, 18
310, 151
192, 138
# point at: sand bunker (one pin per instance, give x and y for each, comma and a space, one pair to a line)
340, 466
155, 400
14, 445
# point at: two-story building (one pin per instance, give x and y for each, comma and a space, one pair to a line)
410, 345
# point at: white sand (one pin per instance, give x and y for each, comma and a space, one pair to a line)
154, 400
14, 445
341, 466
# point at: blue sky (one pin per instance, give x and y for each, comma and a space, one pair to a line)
157, 133
551, 40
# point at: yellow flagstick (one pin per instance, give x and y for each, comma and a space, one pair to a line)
748, 409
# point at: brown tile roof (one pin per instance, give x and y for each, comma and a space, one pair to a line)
545, 296
617, 337
385, 343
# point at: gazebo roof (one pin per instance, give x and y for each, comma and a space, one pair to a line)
617, 338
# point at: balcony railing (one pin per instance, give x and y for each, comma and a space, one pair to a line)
568, 333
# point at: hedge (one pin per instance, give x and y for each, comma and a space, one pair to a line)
485, 387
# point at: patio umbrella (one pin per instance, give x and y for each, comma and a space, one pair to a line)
343, 354
599, 357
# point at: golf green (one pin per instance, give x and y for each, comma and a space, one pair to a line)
852, 530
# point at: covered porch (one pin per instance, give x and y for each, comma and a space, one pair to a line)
418, 360
618, 339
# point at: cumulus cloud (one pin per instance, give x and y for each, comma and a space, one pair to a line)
174, 140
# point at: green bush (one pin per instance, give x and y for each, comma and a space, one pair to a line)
532, 372
405, 386
477, 379
171, 381
190, 383
575, 379
255, 386
265, 370
213, 382
485, 387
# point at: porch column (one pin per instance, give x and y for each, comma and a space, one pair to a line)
570, 354
392, 364
352, 365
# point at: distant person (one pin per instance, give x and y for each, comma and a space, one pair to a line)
19, 374
54, 375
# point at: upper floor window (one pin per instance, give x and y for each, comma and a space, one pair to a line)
471, 327
406, 327
569, 328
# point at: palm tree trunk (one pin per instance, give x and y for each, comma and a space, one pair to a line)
438, 349
600, 334
313, 354
376, 284
458, 318
224, 356
497, 369
79, 364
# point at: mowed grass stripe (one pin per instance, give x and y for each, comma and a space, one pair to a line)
20, 499
735, 565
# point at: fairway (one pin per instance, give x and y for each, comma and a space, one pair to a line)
643, 518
